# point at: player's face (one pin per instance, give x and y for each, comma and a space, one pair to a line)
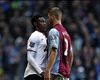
42, 23
50, 19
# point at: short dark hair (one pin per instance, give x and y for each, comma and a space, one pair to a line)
35, 19
56, 11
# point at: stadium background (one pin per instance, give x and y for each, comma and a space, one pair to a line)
82, 20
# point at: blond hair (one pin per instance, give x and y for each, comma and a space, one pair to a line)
57, 12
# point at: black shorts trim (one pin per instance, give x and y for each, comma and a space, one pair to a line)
34, 77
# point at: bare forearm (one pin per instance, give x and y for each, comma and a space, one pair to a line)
71, 57
52, 58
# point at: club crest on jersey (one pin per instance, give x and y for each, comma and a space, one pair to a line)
32, 44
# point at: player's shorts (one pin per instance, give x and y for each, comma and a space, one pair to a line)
33, 77
58, 77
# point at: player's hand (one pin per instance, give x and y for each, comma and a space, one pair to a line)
47, 75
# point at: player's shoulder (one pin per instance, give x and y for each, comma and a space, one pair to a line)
53, 31
35, 35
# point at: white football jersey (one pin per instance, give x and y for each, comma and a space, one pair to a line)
36, 47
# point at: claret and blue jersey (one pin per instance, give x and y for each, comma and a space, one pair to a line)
55, 39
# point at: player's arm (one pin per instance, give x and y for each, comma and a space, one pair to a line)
32, 62
70, 57
31, 52
53, 46
52, 57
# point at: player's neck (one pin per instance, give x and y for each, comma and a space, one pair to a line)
56, 22
40, 31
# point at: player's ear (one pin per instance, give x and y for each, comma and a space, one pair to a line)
35, 23
53, 17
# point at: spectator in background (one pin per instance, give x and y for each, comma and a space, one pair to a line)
1, 63
12, 60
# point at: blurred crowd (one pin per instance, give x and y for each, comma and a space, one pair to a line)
81, 19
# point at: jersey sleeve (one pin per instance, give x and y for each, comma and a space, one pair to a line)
32, 47
32, 61
33, 43
53, 38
